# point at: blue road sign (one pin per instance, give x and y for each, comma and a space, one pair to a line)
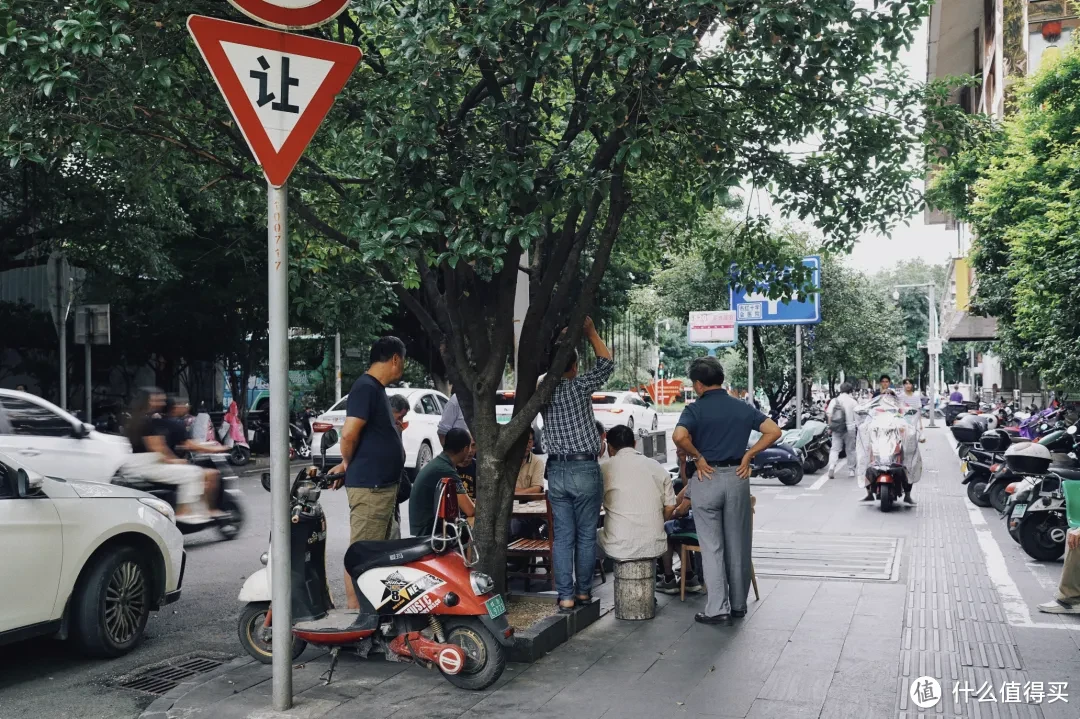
755, 308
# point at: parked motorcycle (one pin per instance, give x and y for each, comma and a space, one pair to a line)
231, 434
420, 600
780, 461
1041, 528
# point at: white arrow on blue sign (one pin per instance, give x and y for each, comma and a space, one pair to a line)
755, 308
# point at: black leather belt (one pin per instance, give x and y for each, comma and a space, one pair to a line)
724, 462
580, 457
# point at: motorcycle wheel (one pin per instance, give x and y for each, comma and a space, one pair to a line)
303, 449
239, 455
810, 464
997, 496
886, 496
484, 656
976, 492
791, 476
255, 638
230, 528
1035, 535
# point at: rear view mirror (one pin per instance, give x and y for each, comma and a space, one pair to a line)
1072, 429
28, 483
329, 439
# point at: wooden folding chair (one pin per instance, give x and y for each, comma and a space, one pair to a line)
686, 549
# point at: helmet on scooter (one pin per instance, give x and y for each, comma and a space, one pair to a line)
996, 440
1028, 458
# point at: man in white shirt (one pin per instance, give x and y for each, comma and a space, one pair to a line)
841, 414
638, 498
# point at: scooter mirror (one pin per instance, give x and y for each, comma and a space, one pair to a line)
1072, 429
329, 439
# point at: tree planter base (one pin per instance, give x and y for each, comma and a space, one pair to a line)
548, 633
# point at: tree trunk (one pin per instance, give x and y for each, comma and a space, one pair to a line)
496, 477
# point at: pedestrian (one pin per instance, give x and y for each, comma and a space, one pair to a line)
457, 452
714, 432
1067, 599
575, 486
453, 418
841, 414
399, 407
957, 396
910, 399
371, 456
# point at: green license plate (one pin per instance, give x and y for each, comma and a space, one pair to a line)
495, 606
1018, 510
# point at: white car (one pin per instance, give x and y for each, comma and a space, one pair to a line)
53, 442
85, 560
614, 408
421, 437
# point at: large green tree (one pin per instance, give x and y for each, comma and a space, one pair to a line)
484, 141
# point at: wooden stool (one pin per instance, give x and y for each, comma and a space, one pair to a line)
684, 557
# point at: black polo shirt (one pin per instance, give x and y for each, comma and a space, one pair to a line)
378, 459
720, 425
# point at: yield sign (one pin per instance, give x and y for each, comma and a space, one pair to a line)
278, 86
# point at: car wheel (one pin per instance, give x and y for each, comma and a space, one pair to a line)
112, 607
424, 456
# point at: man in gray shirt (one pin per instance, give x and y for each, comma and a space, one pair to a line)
713, 432
452, 418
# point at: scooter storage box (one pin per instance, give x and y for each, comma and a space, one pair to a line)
1028, 458
996, 440
965, 434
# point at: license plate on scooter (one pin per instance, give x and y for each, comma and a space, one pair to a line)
1018, 511
495, 606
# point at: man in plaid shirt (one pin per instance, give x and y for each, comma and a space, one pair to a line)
575, 485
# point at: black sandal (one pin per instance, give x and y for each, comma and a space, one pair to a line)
582, 602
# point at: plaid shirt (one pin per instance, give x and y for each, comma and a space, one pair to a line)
569, 424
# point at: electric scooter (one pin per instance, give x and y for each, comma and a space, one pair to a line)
420, 601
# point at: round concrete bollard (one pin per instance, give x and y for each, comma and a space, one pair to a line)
635, 589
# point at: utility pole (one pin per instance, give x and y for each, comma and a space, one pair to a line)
337, 367
798, 376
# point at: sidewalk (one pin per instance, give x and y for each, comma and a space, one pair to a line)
811, 647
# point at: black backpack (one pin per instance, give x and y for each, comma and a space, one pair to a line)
837, 416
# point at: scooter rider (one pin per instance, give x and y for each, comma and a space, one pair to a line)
180, 442
152, 460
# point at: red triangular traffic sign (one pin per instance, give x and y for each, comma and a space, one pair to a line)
278, 86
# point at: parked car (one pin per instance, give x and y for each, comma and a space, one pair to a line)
421, 437
504, 410
615, 408
54, 442
83, 560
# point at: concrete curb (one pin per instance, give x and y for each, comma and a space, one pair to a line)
159, 708
539, 639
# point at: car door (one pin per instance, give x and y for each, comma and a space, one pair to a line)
45, 441
31, 555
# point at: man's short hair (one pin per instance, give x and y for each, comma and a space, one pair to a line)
884, 377
907, 380
620, 437
845, 388
398, 403
571, 361
457, 439
708, 371
384, 349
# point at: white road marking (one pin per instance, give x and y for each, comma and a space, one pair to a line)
820, 483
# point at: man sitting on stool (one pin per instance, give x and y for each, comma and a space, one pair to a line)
638, 499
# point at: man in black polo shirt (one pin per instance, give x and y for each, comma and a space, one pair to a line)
713, 432
371, 455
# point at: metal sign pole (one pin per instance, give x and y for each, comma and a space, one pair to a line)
280, 569
798, 376
89, 342
337, 367
933, 357
750, 362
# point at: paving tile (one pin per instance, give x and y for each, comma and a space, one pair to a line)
727, 694
591, 694
771, 709
810, 654
808, 687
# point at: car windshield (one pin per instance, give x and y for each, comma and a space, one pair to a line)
340, 404
604, 399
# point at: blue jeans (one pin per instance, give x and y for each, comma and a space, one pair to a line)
576, 491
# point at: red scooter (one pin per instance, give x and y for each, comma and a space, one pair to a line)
419, 599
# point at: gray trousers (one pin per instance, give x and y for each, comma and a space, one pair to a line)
845, 440
722, 515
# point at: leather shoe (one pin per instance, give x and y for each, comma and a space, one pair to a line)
721, 619
738, 613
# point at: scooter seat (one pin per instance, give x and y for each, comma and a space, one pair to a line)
362, 556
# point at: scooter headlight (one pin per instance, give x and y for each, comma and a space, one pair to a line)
481, 583
161, 507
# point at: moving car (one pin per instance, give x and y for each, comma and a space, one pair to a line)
615, 408
504, 410
83, 560
421, 437
55, 443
